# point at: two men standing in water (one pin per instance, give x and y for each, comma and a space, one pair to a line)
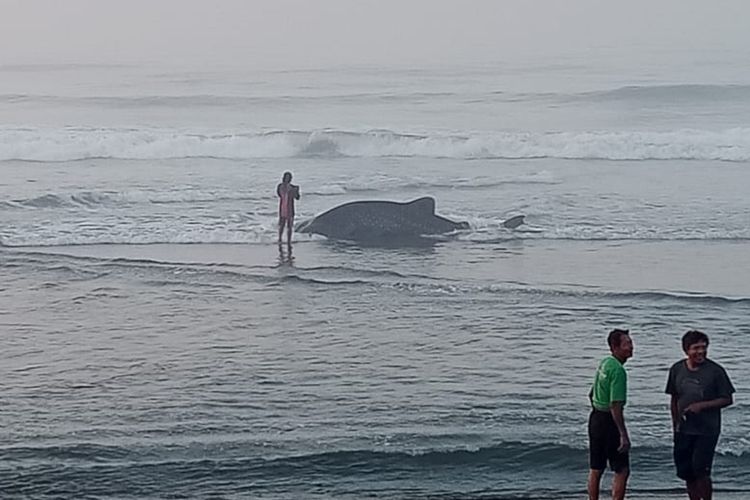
699, 389
287, 193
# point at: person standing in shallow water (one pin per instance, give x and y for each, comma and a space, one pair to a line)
699, 389
287, 193
608, 436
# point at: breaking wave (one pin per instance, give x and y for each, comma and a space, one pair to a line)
70, 144
81, 469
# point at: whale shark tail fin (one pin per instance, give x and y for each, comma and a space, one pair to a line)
425, 205
514, 222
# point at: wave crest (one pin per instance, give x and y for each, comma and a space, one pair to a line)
70, 144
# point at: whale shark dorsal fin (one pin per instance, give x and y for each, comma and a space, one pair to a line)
514, 222
424, 205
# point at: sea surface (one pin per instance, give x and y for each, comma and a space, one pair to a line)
156, 343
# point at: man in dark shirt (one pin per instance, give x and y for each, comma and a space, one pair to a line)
699, 388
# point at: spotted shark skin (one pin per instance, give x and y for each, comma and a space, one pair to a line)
376, 220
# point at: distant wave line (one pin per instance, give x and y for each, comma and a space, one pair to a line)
218, 100
688, 91
665, 93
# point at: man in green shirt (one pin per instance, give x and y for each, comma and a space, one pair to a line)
608, 436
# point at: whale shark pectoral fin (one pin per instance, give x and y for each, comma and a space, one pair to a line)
425, 205
514, 222
302, 226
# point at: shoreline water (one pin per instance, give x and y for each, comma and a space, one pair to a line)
227, 311
700, 269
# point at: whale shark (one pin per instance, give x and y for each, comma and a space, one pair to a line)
378, 220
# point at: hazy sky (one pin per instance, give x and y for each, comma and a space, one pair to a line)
294, 33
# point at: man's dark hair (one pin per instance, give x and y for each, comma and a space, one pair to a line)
287, 177
693, 337
615, 336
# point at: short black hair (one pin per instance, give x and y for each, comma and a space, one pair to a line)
615, 336
693, 337
287, 177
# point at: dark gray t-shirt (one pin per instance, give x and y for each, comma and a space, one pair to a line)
709, 381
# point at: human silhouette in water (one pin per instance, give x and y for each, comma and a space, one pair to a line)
287, 193
286, 258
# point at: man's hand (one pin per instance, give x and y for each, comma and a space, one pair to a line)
694, 407
624, 444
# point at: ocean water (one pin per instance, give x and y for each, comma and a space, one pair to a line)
158, 344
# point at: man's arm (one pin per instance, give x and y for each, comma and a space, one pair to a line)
700, 406
671, 389
296, 192
616, 409
675, 412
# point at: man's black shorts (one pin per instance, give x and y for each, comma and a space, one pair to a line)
694, 455
604, 439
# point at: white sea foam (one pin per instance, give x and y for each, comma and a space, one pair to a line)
66, 144
128, 234
94, 199
263, 230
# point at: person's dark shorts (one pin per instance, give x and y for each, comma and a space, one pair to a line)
694, 455
604, 439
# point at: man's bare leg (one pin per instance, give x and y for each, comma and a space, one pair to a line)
595, 477
707, 487
281, 228
289, 232
619, 484
692, 489
700, 489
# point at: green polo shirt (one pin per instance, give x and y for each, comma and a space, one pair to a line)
610, 384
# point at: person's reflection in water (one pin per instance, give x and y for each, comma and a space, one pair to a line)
285, 257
